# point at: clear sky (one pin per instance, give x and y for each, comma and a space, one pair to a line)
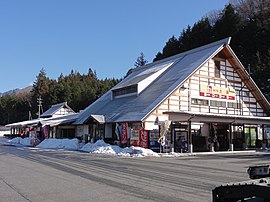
105, 35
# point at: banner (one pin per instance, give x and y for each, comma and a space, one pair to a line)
124, 136
45, 131
143, 139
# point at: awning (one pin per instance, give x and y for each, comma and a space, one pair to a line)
45, 121
24, 123
215, 118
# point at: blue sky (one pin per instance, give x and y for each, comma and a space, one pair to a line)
105, 35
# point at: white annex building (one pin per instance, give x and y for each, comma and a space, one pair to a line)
203, 98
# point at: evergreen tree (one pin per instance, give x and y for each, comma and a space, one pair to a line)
228, 24
40, 89
41, 84
140, 60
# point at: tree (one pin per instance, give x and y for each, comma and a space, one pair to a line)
228, 24
247, 22
171, 48
41, 88
140, 60
41, 84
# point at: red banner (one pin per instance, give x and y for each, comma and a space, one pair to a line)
143, 140
45, 131
124, 136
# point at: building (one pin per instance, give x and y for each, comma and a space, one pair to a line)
57, 110
55, 122
4, 131
199, 100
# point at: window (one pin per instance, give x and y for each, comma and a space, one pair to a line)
214, 103
245, 93
234, 105
217, 69
195, 101
125, 90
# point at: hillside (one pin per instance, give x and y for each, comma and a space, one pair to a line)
18, 91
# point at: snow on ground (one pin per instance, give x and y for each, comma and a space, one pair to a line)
52, 143
18, 141
100, 147
3, 140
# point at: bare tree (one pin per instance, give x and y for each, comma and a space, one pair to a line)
247, 9
213, 16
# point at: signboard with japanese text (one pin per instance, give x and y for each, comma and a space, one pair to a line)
143, 139
217, 92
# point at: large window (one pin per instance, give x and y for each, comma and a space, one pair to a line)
217, 69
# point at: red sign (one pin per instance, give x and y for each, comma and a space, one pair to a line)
217, 92
124, 136
143, 140
45, 131
223, 96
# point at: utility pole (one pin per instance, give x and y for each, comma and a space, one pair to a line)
29, 115
40, 109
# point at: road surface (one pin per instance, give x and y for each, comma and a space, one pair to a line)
28, 174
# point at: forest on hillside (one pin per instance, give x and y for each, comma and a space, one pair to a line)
246, 21
78, 90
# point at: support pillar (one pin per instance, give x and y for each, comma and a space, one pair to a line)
264, 139
230, 137
190, 145
172, 137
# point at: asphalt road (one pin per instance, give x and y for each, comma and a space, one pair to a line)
28, 174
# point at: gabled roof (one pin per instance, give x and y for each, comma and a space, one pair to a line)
135, 108
54, 108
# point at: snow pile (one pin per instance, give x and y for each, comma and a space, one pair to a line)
176, 154
18, 141
142, 152
100, 147
52, 143
4, 140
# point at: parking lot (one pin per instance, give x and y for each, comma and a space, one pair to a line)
56, 175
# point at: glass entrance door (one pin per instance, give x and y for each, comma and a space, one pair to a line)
250, 136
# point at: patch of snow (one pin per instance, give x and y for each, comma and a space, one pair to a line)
53, 143
176, 154
18, 141
100, 147
4, 140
